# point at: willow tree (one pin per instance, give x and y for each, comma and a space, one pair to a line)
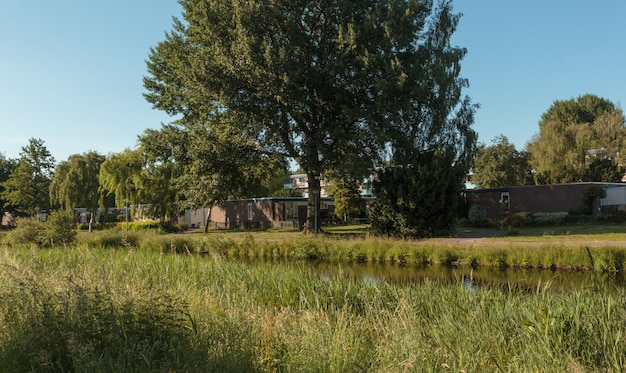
163, 155
572, 134
120, 176
331, 84
75, 183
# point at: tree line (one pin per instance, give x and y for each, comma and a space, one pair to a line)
340, 88
581, 139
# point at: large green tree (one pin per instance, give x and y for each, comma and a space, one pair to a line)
347, 197
164, 154
75, 183
331, 84
569, 131
501, 165
28, 185
7, 165
223, 163
120, 176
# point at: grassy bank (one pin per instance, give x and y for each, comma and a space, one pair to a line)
109, 310
554, 252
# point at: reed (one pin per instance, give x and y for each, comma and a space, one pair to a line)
549, 255
96, 309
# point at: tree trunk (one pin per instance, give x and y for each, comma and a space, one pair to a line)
90, 221
313, 205
208, 220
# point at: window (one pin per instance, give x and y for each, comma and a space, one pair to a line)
250, 214
504, 201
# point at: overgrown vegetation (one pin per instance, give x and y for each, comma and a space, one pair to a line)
418, 200
57, 230
119, 310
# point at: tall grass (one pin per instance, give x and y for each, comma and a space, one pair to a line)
103, 310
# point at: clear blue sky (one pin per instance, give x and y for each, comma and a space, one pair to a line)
71, 70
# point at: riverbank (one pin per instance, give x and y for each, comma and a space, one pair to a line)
97, 309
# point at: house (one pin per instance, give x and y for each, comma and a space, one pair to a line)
271, 212
300, 183
501, 202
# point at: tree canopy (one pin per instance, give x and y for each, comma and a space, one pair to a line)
419, 200
28, 185
120, 176
572, 134
75, 183
334, 85
7, 165
501, 165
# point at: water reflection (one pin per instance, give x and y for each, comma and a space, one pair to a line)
509, 279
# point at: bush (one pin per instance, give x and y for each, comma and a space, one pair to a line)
420, 200
169, 227
478, 215
111, 239
519, 219
591, 196
26, 231
612, 216
58, 229
542, 219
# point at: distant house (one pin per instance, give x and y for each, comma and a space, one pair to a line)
300, 184
279, 212
501, 202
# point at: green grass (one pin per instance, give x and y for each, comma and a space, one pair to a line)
599, 232
135, 310
576, 252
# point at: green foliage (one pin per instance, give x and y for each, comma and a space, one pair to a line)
568, 131
542, 219
347, 198
603, 170
263, 74
59, 229
120, 175
224, 163
501, 165
539, 219
113, 310
84, 328
164, 155
418, 200
111, 239
590, 197
27, 231
27, 187
478, 215
7, 166
75, 183
519, 219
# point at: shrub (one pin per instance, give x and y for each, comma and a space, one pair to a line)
58, 229
590, 197
27, 231
111, 239
612, 216
519, 219
542, 219
478, 215
169, 227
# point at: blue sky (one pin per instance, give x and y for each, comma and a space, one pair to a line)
71, 70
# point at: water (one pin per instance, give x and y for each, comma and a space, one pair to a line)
519, 279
